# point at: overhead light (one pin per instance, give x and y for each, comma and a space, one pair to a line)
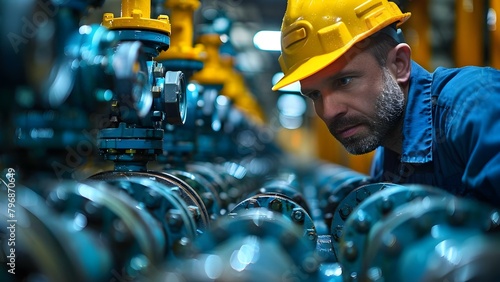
292, 105
267, 40
292, 108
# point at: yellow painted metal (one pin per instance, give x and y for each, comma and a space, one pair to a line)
316, 33
469, 41
299, 142
181, 40
417, 30
495, 34
136, 15
236, 89
327, 148
361, 163
212, 73
128, 7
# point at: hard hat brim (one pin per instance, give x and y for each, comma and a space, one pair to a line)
317, 63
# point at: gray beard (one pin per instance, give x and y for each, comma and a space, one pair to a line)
390, 108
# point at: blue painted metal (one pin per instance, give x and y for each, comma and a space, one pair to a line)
154, 42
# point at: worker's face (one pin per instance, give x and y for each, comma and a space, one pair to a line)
359, 101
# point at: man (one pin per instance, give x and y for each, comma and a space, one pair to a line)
440, 129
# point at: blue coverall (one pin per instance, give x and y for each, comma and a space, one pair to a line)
451, 133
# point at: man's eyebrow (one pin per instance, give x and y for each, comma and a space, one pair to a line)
344, 73
340, 74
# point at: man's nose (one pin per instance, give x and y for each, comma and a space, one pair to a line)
332, 107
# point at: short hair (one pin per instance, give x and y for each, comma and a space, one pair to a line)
379, 45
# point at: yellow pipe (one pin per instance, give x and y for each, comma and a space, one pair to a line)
327, 147
128, 7
361, 163
181, 41
135, 15
236, 90
495, 34
181, 14
416, 32
212, 72
469, 41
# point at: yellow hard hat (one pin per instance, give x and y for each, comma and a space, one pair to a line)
316, 33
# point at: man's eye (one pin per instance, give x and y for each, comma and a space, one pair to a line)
314, 95
343, 81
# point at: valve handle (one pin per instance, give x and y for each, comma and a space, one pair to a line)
131, 71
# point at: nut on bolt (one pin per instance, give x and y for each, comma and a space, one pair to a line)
298, 215
337, 232
195, 211
173, 97
156, 90
345, 211
362, 194
164, 18
158, 70
350, 251
152, 199
174, 219
276, 205
157, 116
311, 234
386, 205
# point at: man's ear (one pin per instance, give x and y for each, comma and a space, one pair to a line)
399, 62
